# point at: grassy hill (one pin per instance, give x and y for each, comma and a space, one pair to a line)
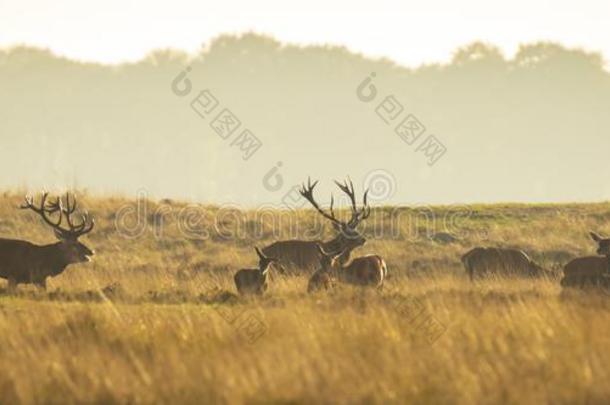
153, 317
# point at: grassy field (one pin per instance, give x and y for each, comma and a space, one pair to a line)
154, 317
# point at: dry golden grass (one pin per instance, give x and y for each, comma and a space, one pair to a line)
169, 331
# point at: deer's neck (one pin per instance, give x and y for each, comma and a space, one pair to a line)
264, 274
53, 257
331, 245
336, 245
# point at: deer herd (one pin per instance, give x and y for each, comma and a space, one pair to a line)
327, 262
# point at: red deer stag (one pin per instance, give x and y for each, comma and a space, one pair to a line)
22, 262
369, 270
304, 255
480, 262
254, 281
594, 270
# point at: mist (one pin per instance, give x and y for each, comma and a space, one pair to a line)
482, 128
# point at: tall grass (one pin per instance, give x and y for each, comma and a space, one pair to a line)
152, 319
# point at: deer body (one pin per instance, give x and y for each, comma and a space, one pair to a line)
503, 262
304, 256
589, 269
585, 270
369, 270
250, 281
254, 281
320, 280
22, 262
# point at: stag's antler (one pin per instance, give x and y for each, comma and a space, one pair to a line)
307, 193
86, 224
74, 231
357, 214
348, 188
44, 209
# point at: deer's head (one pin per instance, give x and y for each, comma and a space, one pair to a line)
348, 236
603, 244
329, 261
264, 262
72, 250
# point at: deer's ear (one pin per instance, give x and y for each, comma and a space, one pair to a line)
321, 250
259, 253
595, 236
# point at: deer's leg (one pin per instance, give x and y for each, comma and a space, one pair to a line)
262, 289
468, 268
42, 284
12, 284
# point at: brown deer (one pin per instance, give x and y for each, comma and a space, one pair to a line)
304, 255
369, 270
254, 281
589, 269
22, 262
322, 278
480, 262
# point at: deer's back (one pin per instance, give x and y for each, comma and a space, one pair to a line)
365, 270
17, 257
586, 266
503, 261
296, 254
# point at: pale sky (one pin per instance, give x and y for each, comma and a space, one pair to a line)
408, 32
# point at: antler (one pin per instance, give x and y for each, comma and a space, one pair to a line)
44, 209
307, 193
86, 224
357, 214
74, 231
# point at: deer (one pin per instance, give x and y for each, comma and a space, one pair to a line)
22, 262
254, 281
481, 261
303, 255
364, 271
322, 278
589, 269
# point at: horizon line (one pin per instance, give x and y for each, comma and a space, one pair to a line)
205, 47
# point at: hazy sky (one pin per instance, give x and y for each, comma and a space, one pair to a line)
409, 32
